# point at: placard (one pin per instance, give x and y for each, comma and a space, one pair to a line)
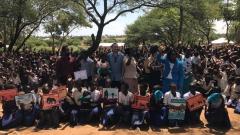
61, 91
24, 99
195, 102
110, 93
177, 112
141, 102
81, 75
8, 95
49, 101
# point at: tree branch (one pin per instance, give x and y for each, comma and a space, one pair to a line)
92, 17
93, 5
122, 12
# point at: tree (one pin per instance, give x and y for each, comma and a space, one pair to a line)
234, 30
228, 15
159, 25
99, 11
20, 18
203, 14
62, 22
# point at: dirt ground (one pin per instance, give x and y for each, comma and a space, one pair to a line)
95, 130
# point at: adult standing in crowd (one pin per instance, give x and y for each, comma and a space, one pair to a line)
130, 70
115, 59
173, 71
87, 64
63, 66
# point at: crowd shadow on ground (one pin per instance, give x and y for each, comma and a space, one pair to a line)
172, 130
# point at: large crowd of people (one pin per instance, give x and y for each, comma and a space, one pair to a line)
161, 73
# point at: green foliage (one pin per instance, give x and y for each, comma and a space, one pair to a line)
161, 25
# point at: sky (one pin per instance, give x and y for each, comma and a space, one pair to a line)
118, 27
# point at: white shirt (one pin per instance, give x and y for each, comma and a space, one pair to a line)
95, 95
230, 91
125, 99
223, 81
170, 72
130, 71
187, 63
168, 97
196, 60
189, 95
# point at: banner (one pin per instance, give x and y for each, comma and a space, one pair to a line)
178, 111
61, 91
195, 102
8, 95
110, 93
141, 102
24, 99
81, 75
49, 101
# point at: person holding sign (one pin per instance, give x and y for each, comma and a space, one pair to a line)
87, 65
140, 107
193, 116
158, 111
95, 103
12, 116
125, 100
168, 98
49, 116
110, 111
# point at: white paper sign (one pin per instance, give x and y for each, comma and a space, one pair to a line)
24, 99
110, 93
81, 75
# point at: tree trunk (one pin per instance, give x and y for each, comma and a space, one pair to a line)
17, 28
53, 44
180, 22
227, 32
26, 38
96, 40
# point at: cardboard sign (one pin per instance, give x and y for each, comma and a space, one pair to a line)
61, 91
8, 95
49, 101
81, 75
110, 93
177, 112
195, 102
141, 102
24, 99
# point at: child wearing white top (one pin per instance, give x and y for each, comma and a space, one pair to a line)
125, 101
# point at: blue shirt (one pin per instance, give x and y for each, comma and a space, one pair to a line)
116, 62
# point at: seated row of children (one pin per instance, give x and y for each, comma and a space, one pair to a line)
92, 105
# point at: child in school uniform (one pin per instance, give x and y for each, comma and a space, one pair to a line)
110, 115
48, 118
158, 112
172, 94
12, 116
141, 116
125, 101
194, 116
95, 103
